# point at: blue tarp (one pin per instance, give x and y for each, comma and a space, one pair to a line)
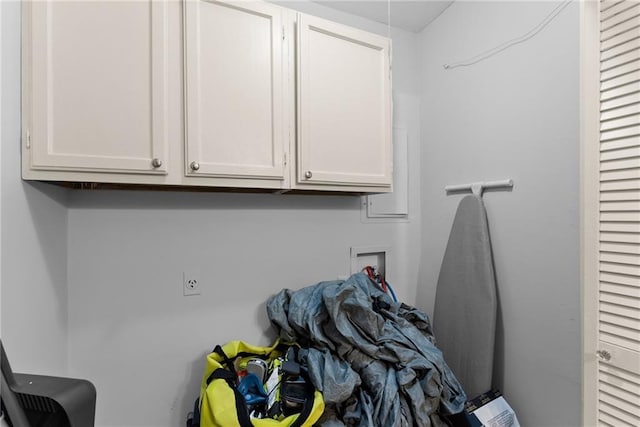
373, 359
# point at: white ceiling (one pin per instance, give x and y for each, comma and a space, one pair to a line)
409, 15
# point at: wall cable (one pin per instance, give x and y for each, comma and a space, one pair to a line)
389, 35
491, 52
389, 19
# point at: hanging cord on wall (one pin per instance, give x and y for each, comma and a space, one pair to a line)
389, 19
389, 34
508, 44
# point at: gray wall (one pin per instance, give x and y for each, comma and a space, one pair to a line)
93, 279
514, 115
143, 343
34, 237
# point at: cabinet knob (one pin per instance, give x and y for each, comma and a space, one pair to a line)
156, 163
604, 355
308, 174
195, 165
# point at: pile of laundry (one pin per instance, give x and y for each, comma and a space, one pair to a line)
374, 360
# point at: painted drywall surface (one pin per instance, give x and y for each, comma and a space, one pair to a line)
143, 343
34, 236
130, 325
514, 115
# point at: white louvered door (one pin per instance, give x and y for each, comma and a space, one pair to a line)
618, 277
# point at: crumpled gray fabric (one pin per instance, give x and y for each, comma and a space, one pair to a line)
373, 359
334, 376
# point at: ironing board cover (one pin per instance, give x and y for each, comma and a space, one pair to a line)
464, 318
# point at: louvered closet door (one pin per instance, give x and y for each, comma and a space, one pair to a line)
619, 245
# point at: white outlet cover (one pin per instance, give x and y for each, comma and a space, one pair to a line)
191, 284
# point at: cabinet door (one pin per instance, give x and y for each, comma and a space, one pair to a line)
233, 90
95, 89
344, 105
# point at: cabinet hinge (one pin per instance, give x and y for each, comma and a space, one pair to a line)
28, 139
283, 32
285, 159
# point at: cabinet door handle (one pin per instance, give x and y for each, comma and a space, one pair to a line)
604, 355
308, 174
195, 165
156, 163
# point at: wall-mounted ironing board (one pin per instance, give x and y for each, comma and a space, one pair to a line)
465, 312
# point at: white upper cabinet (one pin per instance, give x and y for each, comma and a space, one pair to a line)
95, 87
233, 90
209, 93
344, 106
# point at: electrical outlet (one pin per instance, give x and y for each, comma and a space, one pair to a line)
190, 283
